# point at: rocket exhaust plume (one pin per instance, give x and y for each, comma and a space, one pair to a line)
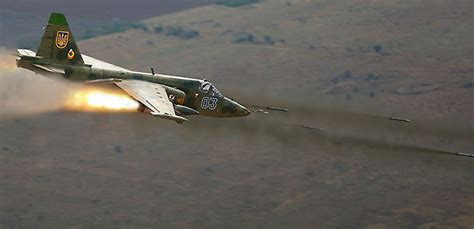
24, 93
98, 99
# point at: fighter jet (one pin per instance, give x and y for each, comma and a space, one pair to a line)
164, 96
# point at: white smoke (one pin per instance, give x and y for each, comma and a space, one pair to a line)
23, 92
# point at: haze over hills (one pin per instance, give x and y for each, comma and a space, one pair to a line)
320, 58
409, 54
104, 9
21, 21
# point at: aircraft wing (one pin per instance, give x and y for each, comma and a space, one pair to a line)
95, 63
151, 95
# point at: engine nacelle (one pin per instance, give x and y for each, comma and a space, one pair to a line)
175, 95
184, 110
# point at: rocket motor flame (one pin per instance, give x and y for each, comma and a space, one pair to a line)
100, 100
59, 95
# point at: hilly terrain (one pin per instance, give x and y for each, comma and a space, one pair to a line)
409, 54
333, 161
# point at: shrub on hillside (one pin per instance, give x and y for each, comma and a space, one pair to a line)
378, 49
177, 31
244, 37
158, 29
236, 3
136, 25
268, 40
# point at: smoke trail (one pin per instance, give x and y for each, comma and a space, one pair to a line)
323, 123
24, 93
370, 133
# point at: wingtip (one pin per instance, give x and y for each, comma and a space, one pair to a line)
176, 118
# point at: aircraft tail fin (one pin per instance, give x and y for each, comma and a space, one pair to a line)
57, 44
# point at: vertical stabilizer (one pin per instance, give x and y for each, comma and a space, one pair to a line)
57, 43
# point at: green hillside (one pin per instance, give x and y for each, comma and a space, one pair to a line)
409, 54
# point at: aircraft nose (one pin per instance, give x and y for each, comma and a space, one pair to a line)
243, 111
233, 108
247, 111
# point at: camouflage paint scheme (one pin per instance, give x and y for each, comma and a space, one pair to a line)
58, 56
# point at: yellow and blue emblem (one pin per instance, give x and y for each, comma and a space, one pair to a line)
62, 38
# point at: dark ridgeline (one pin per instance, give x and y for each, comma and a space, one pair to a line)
107, 9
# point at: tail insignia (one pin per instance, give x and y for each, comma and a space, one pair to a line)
62, 38
70, 54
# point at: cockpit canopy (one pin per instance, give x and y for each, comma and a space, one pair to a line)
207, 88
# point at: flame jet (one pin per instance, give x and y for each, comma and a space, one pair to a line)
164, 96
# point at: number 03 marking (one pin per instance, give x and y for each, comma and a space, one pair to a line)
209, 103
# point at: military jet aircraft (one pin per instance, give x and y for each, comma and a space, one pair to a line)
164, 96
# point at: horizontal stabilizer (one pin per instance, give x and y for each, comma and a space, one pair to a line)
25, 52
50, 69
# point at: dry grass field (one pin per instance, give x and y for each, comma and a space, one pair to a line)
337, 65
420, 44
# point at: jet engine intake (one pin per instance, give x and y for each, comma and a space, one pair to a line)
175, 95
